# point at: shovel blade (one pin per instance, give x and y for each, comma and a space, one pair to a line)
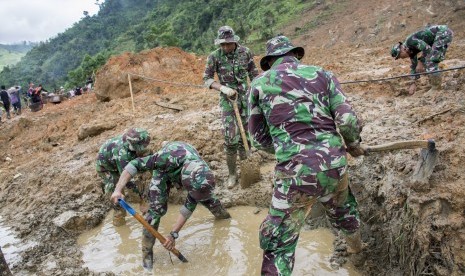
250, 173
426, 164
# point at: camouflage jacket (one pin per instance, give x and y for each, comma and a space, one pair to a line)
168, 161
114, 155
422, 41
232, 69
294, 111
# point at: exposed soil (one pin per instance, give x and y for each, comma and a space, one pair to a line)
49, 191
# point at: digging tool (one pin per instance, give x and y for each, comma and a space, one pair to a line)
428, 155
147, 226
250, 172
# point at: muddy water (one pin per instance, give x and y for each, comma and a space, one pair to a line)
10, 244
226, 247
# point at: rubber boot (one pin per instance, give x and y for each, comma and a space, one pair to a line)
148, 241
231, 162
220, 212
119, 215
354, 242
435, 80
242, 153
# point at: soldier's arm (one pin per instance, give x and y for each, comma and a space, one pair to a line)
260, 137
209, 73
342, 112
251, 68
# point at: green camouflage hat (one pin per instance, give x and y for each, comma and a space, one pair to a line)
226, 35
137, 138
395, 50
278, 46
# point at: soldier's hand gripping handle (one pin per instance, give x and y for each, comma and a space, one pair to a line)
227, 91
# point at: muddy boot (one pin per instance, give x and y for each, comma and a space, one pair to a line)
435, 80
231, 162
220, 213
354, 242
242, 154
148, 241
355, 247
119, 215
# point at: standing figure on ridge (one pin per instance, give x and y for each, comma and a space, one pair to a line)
233, 63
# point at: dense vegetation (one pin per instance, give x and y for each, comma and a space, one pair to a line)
11, 54
135, 25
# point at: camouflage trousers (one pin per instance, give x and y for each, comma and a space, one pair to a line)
291, 203
438, 50
230, 130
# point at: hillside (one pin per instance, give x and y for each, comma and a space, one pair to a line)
12, 54
411, 228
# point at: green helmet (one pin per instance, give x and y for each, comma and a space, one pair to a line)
395, 50
137, 139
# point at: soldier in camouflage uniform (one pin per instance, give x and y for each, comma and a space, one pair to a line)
294, 111
113, 156
233, 63
179, 165
432, 42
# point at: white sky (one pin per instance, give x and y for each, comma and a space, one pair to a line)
39, 20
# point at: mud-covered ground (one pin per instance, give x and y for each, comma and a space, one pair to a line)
49, 191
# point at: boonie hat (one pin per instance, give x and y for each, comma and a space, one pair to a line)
278, 46
395, 50
226, 35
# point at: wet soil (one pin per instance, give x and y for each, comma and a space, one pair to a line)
50, 193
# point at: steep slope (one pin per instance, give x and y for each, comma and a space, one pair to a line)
410, 228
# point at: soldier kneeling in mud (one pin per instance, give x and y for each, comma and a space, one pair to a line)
113, 156
176, 164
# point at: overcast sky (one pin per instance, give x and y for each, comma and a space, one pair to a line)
39, 20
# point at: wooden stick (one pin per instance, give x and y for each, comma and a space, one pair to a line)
150, 228
132, 96
241, 127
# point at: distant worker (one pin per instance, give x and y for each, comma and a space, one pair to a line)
299, 113
15, 99
6, 101
89, 84
432, 42
233, 63
175, 165
113, 156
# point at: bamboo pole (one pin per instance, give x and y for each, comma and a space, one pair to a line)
132, 95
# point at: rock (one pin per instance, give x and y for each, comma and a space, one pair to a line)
89, 130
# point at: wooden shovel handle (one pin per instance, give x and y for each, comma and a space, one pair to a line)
158, 236
410, 144
241, 127
147, 226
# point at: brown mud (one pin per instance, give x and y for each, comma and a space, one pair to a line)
49, 191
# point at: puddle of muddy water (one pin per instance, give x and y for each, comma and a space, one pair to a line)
224, 247
11, 245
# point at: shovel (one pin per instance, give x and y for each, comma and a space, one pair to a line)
428, 155
147, 226
250, 171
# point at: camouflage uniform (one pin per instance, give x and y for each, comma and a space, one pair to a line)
178, 165
232, 70
294, 111
432, 41
112, 157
